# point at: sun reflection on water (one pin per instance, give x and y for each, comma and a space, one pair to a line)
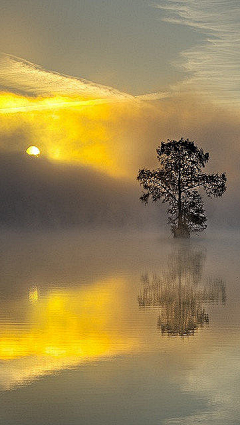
61, 329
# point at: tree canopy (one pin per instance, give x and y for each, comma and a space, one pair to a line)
177, 181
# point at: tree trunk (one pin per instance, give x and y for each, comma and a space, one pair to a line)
181, 231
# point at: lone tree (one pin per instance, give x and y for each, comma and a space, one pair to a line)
177, 182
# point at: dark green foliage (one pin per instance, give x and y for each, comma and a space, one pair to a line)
177, 182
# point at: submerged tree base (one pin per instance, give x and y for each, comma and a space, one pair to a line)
181, 232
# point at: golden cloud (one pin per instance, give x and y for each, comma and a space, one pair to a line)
76, 121
69, 119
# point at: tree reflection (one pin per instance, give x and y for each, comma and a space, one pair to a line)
181, 292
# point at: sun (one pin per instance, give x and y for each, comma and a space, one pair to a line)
33, 151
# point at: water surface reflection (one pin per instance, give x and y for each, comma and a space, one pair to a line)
181, 293
61, 329
76, 346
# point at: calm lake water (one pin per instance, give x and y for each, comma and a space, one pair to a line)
102, 329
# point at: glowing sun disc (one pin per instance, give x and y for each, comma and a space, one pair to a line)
33, 150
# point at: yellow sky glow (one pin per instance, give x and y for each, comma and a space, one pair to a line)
68, 129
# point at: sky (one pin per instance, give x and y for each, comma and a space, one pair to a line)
134, 46
104, 41
100, 84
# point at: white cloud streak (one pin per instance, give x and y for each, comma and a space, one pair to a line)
213, 67
28, 78
20, 76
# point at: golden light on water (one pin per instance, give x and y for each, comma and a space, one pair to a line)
62, 329
33, 294
33, 151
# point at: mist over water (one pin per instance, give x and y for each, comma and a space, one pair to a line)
37, 194
134, 320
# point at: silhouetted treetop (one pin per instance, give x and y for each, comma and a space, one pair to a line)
177, 182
